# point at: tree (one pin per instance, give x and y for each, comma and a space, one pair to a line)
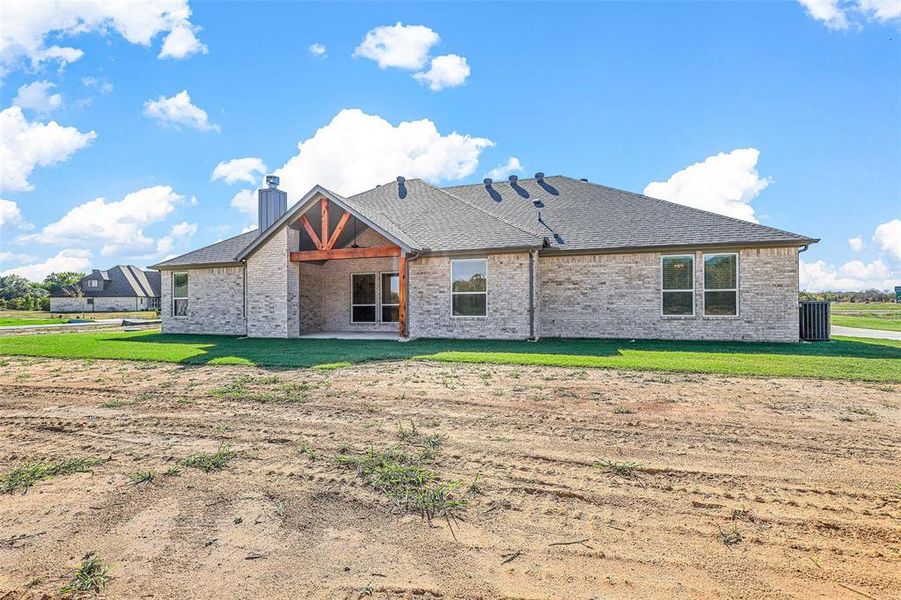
18, 293
55, 282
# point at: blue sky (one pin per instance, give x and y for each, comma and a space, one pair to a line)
779, 112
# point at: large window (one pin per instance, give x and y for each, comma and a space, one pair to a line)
93, 283
678, 285
180, 294
390, 297
469, 287
362, 289
721, 285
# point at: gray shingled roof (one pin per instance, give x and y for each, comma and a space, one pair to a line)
220, 253
577, 215
121, 281
572, 215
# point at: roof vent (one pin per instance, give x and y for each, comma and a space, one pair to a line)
513, 179
487, 181
272, 181
539, 176
583, 179
400, 180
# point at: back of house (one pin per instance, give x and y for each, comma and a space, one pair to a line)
518, 259
117, 289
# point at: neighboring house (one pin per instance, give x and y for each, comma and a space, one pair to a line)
519, 259
121, 288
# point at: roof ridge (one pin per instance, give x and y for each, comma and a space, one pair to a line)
482, 210
701, 210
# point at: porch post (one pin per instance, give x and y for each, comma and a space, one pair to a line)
402, 291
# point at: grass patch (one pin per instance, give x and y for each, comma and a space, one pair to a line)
7, 322
842, 358
143, 476
623, 469
404, 479
91, 576
886, 322
210, 462
26, 475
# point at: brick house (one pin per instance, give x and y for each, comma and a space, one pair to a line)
119, 288
519, 259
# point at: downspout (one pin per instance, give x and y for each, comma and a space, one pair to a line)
804, 248
411, 258
244, 262
533, 261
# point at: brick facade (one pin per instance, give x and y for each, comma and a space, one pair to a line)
508, 299
273, 288
100, 304
618, 296
215, 301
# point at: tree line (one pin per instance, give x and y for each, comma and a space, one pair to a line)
18, 293
864, 296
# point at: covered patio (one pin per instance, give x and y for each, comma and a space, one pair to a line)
353, 277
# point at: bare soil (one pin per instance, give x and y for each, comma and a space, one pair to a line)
800, 476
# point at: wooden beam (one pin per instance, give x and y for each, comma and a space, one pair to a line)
341, 224
310, 231
344, 253
323, 231
402, 291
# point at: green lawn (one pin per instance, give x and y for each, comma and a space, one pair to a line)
890, 322
843, 358
859, 307
4, 322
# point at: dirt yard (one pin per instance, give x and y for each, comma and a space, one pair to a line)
743, 488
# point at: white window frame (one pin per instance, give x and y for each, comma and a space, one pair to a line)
379, 298
692, 290
453, 293
185, 298
375, 276
704, 284
93, 283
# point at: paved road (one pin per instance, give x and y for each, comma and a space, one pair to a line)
866, 333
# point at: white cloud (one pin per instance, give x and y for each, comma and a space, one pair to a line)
34, 96
66, 260
100, 84
10, 215
177, 111
118, 225
247, 169
827, 11
317, 50
856, 243
249, 228
10, 257
724, 184
182, 43
502, 171
246, 202
888, 236
180, 232
449, 70
402, 46
840, 15
880, 10
27, 27
851, 276
26, 144
356, 151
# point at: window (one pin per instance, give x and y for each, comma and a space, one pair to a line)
469, 287
93, 283
180, 294
678, 285
390, 297
362, 289
90, 302
721, 285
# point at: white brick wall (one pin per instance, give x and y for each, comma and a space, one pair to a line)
104, 304
215, 302
273, 288
618, 296
508, 299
